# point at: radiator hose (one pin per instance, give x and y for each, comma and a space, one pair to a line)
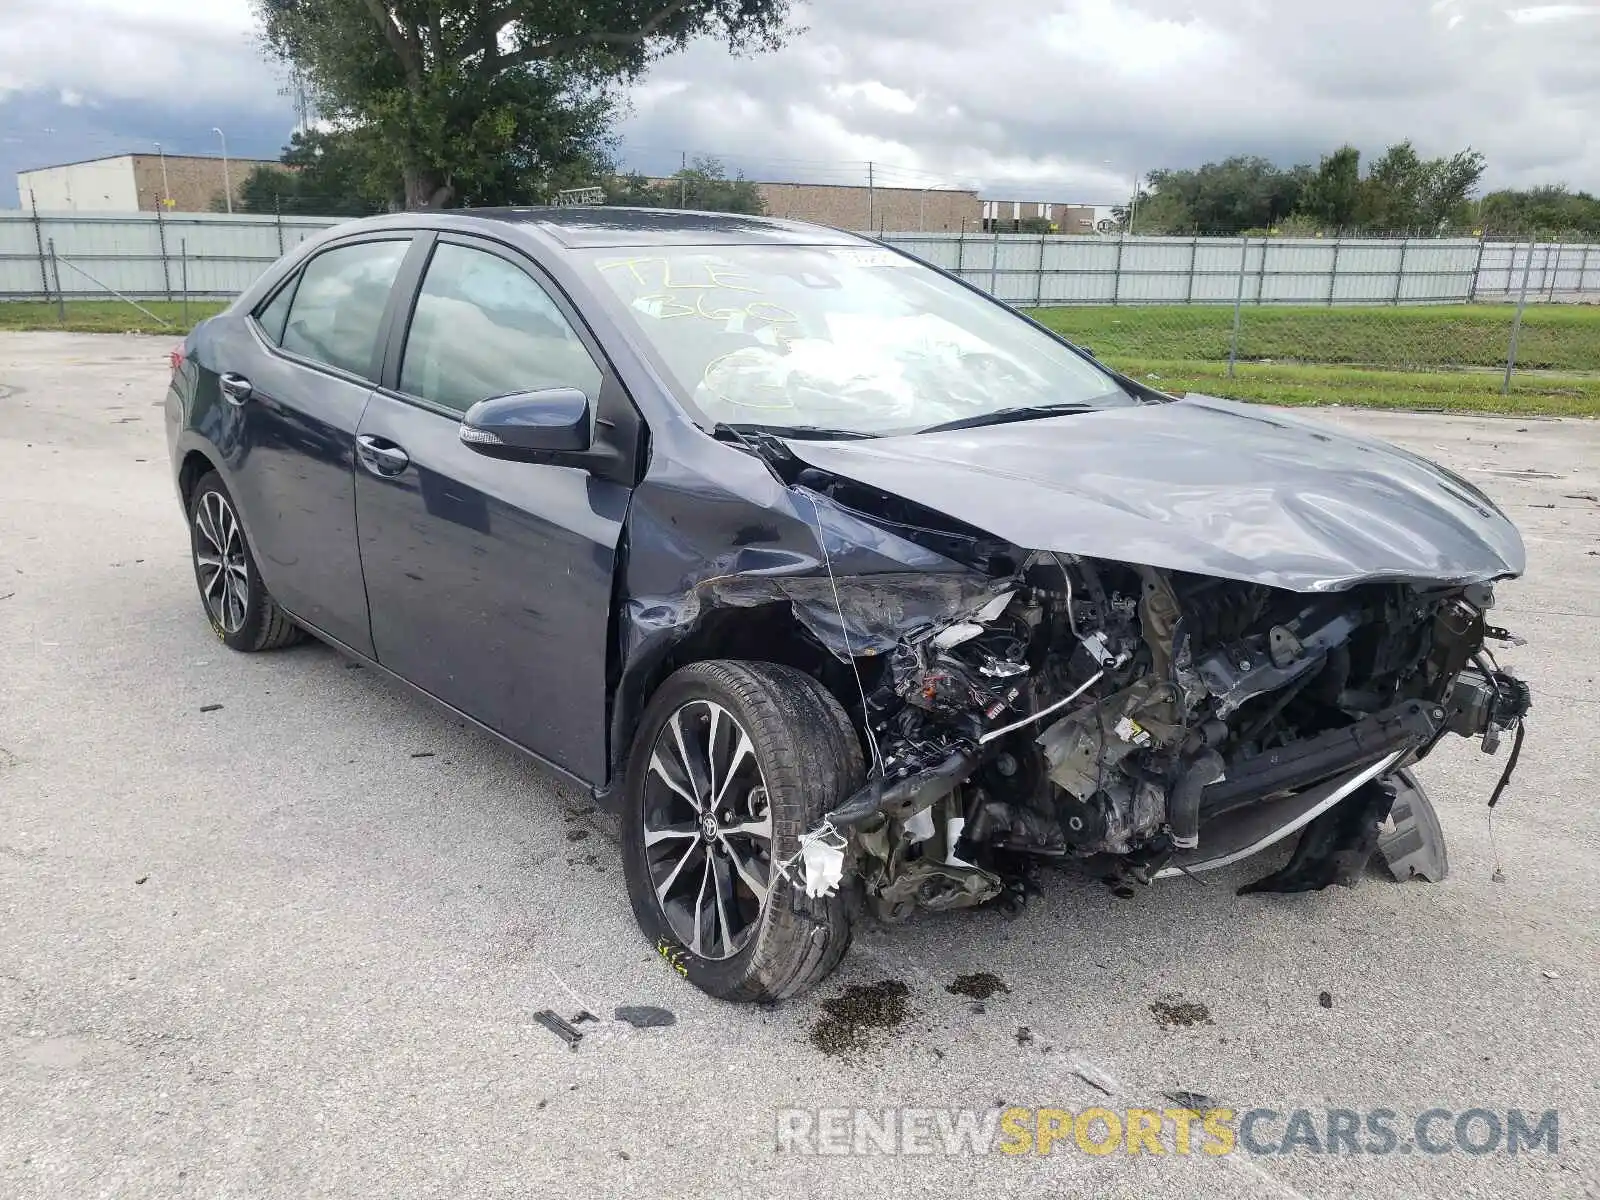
1183, 801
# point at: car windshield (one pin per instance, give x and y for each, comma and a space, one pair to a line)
861, 340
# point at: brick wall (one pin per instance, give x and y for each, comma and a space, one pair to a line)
192, 182
899, 210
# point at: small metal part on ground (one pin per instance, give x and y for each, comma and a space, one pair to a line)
851, 1020
558, 1026
980, 985
1095, 1079
646, 1016
1196, 1101
1325, 999
210, 707
1172, 1011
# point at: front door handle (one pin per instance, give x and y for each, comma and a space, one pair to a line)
381, 457
236, 389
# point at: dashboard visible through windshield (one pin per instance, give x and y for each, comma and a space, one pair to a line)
862, 340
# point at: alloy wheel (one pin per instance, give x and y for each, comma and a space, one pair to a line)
219, 561
708, 830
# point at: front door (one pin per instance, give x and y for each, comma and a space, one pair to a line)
490, 581
297, 376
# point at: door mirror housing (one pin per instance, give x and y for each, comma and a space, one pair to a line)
548, 425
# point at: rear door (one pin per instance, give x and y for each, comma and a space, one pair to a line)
491, 581
296, 376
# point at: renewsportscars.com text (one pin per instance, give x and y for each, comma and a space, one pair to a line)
1177, 1130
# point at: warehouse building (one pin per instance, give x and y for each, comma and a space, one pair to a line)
135, 183
1027, 216
852, 207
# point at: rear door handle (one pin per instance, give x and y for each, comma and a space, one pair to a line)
381, 457
236, 389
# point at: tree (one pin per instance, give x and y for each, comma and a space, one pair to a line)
1243, 192
1446, 199
1333, 196
1549, 211
470, 97
324, 173
1404, 192
703, 184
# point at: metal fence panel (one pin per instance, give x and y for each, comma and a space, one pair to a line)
140, 254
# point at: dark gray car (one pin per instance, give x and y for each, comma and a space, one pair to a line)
847, 586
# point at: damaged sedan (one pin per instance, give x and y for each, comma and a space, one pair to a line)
851, 590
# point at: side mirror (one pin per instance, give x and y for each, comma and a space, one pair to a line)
530, 426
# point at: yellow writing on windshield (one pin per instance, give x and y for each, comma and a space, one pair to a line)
656, 272
664, 306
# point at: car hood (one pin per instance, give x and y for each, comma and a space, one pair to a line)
1201, 485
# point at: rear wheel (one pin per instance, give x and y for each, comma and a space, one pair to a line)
732, 762
241, 611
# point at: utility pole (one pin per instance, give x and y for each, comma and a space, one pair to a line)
227, 182
683, 179
1133, 207
871, 199
166, 192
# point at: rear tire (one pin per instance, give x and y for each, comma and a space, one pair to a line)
803, 758
242, 612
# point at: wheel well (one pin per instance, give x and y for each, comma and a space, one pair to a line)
767, 633
194, 466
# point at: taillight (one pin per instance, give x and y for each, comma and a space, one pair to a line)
175, 357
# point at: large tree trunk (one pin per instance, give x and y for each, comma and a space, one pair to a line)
427, 188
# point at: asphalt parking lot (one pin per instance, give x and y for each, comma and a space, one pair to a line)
292, 945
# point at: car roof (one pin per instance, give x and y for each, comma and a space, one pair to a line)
580, 227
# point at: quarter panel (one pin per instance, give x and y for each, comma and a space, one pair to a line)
289, 454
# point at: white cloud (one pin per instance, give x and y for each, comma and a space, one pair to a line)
173, 52
1066, 99
1098, 33
875, 93
1540, 14
1062, 99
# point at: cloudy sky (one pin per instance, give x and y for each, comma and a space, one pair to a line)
1058, 99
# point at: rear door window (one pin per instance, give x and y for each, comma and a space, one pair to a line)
275, 313
337, 309
484, 327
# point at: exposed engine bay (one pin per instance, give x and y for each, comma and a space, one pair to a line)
1128, 714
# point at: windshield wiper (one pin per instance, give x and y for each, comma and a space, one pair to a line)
805, 432
1021, 412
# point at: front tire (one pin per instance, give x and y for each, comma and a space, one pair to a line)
732, 762
242, 613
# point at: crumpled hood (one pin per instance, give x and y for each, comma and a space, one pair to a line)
1201, 485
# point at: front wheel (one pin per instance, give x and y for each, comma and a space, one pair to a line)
732, 762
